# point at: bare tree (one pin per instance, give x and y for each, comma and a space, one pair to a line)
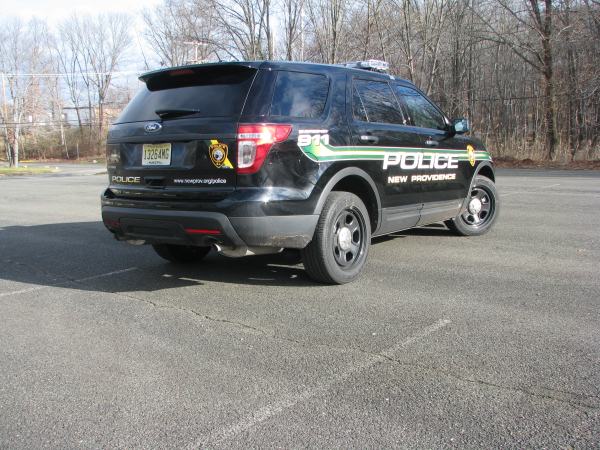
96, 46
327, 19
528, 31
171, 27
108, 41
22, 53
293, 28
244, 28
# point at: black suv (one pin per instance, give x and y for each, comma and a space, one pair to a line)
257, 157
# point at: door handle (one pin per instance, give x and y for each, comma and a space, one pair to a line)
432, 143
369, 138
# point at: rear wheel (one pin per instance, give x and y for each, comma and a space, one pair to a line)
340, 246
482, 210
182, 254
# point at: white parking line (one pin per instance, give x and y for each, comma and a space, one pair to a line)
290, 401
106, 274
523, 192
22, 291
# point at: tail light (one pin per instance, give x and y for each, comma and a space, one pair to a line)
255, 141
113, 153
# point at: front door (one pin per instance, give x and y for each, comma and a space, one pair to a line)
446, 174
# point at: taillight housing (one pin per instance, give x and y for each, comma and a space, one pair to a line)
113, 153
254, 143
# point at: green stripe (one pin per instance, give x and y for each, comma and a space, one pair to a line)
330, 153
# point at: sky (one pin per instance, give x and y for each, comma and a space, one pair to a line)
57, 9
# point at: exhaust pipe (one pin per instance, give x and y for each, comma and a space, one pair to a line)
243, 250
135, 241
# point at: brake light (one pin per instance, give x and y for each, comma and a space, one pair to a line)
254, 143
111, 224
192, 231
178, 73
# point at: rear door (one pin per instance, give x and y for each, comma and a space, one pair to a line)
177, 137
381, 137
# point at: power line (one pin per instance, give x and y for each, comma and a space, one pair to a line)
521, 98
50, 123
44, 75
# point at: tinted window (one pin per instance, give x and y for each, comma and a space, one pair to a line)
421, 110
358, 109
214, 91
379, 102
299, 94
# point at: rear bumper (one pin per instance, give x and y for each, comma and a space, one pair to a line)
204, 228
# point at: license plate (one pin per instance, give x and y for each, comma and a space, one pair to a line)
156, 155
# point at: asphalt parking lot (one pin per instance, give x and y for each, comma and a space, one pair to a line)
445, 342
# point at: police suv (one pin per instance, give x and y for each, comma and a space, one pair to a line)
257, 157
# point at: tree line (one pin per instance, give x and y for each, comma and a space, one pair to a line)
526, 72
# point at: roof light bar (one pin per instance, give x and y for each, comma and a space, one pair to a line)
375, 65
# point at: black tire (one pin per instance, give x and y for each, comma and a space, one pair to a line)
482, 210
340, 246
182, 254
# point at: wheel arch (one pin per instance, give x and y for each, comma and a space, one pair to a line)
359, 183
485, 169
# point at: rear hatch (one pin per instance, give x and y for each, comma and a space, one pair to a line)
176, 139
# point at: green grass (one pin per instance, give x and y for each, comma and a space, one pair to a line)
11, 172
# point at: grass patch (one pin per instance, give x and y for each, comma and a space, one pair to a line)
11, 172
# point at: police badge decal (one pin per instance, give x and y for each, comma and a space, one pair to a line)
218, 154
471, 153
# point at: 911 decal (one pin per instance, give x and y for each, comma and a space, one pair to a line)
307, 137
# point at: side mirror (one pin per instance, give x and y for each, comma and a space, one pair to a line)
461, 126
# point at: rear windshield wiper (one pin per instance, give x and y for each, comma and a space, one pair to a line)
178, 112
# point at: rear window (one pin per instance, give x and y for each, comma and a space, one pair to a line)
214, 91
299, 94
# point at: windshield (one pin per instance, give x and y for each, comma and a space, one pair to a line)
214, 91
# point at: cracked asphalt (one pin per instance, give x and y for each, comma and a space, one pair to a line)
445, 342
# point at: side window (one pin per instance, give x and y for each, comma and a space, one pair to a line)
358, 109
379, 103
299, 94
421, 110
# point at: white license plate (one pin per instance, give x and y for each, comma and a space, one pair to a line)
156, 155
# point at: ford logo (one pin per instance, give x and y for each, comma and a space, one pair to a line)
152, 127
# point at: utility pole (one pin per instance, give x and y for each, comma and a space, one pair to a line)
302, 32
8, 152
196, 44
4, 100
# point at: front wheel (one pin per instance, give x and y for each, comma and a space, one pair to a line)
482, 210
340, 246
182, 254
